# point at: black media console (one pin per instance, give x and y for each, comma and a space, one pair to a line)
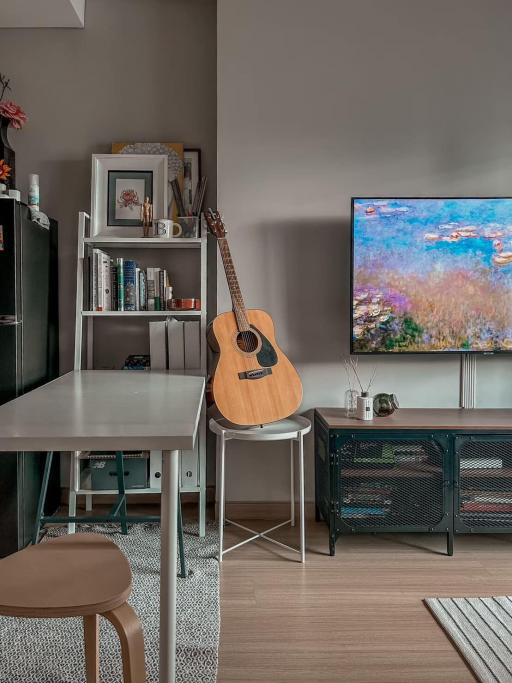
419, 470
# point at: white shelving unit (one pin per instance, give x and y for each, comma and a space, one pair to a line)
192, 474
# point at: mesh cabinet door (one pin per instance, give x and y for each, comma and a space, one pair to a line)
392, 483
484, 483
323, 493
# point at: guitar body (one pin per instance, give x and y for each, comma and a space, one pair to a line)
254, 382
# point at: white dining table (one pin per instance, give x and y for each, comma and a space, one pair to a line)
118, 410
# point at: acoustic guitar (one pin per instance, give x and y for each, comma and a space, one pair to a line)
254, 382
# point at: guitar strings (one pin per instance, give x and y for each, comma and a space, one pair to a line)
215, 223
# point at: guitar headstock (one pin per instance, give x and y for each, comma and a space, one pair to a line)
215, 223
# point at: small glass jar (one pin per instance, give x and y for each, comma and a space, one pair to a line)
350, 402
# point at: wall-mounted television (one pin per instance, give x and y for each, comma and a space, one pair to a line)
431, 275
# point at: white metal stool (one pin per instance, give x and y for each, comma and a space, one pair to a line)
293, 429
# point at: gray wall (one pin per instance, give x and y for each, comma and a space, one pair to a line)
322, 100
142, 70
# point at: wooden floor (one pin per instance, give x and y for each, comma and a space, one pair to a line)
356, 617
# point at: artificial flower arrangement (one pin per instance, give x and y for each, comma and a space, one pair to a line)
8, 109
15, 117
5, 170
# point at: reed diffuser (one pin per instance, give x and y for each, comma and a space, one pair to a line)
364, 406
350, 394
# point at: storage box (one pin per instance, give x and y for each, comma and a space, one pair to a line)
103, 473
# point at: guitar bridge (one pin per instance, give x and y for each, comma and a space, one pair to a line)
255, 374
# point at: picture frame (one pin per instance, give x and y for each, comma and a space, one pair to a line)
174, 152
120, 182
191, 175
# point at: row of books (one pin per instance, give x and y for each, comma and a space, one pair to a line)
487, 502
361, 502
389, 455
120, 285
175, 345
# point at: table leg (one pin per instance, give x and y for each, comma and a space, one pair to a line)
168, 560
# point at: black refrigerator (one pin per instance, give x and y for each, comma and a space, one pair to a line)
28, 357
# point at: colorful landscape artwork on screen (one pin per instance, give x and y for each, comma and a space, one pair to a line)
432, 275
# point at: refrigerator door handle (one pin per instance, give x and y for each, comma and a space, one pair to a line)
9, 320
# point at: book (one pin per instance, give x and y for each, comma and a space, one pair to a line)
150, 292
486, 507
94, 280
176, 346
156, 278
114, 286
356, 512
106, 279
99, 281
158, 345
120, 284
192, 344
162, 287
143, 305
137, 286
480, 463
129, 270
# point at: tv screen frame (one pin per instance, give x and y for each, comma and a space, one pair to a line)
395, 354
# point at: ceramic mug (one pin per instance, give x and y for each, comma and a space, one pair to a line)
164, 227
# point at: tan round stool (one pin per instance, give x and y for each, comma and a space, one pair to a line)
83, 575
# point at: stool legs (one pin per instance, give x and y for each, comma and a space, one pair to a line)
92, 648
129, 630
221, 452
292, 486
301, 494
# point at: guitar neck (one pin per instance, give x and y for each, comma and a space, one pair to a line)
234, 287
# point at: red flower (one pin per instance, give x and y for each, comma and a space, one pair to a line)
12, 111
5, 170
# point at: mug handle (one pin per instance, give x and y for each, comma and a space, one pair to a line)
179, 230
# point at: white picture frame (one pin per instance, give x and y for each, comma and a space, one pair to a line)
111, 171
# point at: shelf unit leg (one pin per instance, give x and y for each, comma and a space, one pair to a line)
74, 481
202, 511
202, 471
121, 490
42, 496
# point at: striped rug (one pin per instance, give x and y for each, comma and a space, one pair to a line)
481, 629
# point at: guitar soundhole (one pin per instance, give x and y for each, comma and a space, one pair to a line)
247, 342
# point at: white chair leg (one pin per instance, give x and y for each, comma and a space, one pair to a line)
301, 487
221, 449
74, 472
292, 485
88, 503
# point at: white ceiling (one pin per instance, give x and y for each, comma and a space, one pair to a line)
42, 13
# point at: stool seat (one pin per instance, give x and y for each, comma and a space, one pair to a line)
81, 575
69, 576
282, 430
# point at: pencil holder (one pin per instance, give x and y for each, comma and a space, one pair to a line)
189, 226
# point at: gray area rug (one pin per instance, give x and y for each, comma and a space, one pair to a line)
51, 650
481, 629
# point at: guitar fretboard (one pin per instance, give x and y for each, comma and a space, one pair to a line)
234, 287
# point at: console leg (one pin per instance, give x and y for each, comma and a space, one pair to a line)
449, 543
318, 516
332, 544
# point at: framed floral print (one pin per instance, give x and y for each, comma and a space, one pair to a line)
120, 184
